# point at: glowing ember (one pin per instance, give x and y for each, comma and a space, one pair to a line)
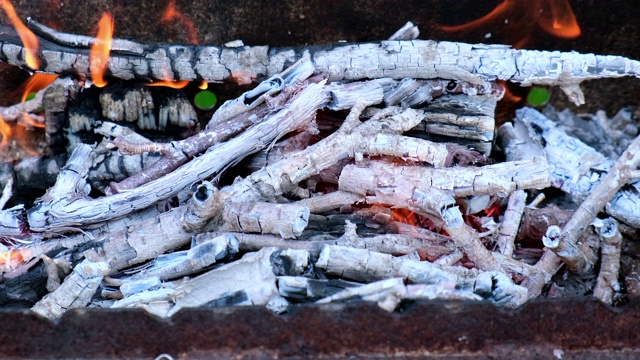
404, 216
493, 210
509, 96
553, 16
36, 82
170, 83
99, 56
31, 122
28, 38
203, 85
5, 132
171, 14
12, 258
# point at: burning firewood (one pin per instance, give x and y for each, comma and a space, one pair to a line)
396, 59
398, 133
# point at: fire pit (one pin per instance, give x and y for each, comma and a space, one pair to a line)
386, 172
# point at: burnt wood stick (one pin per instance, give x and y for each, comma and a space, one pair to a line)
286, 220
75, 292
397, 244
577, 168
252, 278
255, 242
559, 240
422, 59
14, 112
352, 140
511, 222
182, 263
85, 210
231, 119
368, 266
330, 201
438, 205
607, 283
498, 179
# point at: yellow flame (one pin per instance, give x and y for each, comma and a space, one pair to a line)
170, 83
99, 55
36, 82
5, 132
29, 39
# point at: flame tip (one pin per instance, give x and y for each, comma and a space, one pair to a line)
99, 54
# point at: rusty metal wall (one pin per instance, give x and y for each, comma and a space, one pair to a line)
543, 329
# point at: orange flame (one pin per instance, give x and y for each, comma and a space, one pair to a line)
5, 132
28, 38
171, 14
36, 82
505, 6
170, 83
99, 56
203, 85
553, 16
562, 22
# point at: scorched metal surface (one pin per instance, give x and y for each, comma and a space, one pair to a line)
542, 329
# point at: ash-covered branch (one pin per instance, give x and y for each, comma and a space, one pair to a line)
511, 222
499, 179
564, 242
421, 59
368, 266
607, 284
297, 114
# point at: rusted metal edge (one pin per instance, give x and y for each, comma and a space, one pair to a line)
572, 328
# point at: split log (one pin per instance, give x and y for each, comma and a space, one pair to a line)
396, 59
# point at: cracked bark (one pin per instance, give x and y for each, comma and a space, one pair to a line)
422, 59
